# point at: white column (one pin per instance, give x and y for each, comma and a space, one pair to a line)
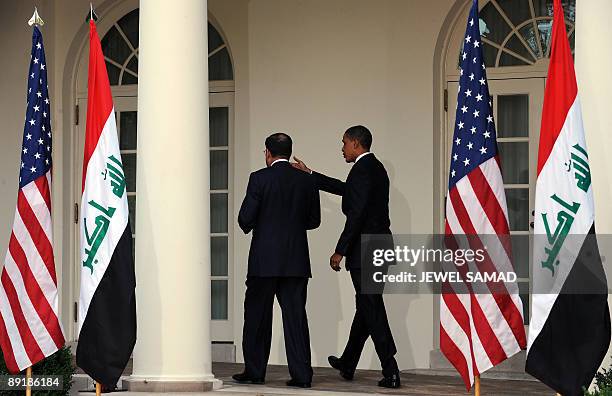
594, 73
173, 347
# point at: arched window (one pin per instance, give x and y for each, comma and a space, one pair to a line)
120, 48
518, 32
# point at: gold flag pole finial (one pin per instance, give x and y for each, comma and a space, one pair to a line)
36, 19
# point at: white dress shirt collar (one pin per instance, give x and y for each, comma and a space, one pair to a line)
279, 160
362, 155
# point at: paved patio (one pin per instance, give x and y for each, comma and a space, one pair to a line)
327, 382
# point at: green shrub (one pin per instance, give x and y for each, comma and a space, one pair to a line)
60, 363
603, 382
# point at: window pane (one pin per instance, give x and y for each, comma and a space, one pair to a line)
518, 208
114, 46
218, 293
218, 170
545, 28
218, 212
513, 115
129, 26
508, 60
218, 254
516, 10
132, 209
490, 55
218, 126
133, 64
129, 168
214, 39
515, 162
497, 26
545, 8
516, 45
128, 122
220, 66
128, 79
520, 255
113, 73
531, 38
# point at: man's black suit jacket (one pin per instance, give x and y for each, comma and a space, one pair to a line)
280, 205
365, 202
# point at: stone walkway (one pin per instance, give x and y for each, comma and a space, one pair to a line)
327, 382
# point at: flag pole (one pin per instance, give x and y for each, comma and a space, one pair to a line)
35, 20
28, 376
477, 385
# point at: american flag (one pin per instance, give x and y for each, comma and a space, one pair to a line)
478, 330
30, 329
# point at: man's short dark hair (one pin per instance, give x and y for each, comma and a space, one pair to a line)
279, 145
360, 134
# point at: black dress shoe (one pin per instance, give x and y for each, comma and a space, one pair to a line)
243, 378
337, 364
392, 381
297, 384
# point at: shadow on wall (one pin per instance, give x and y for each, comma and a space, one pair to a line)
326, 302
398, 306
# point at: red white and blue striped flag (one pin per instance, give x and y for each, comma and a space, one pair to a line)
30, 328
478, 330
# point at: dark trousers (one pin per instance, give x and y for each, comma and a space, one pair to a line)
370, 320
257, 330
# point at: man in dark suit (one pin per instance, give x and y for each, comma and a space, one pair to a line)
280, 205
365, 202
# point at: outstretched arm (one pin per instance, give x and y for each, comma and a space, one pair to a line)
324, 183
329, 184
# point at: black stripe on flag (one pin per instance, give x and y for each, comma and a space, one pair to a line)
108, 333
575, 337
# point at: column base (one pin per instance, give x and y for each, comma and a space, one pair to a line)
154, 385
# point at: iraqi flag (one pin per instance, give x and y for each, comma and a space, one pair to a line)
569, 333
107, 305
